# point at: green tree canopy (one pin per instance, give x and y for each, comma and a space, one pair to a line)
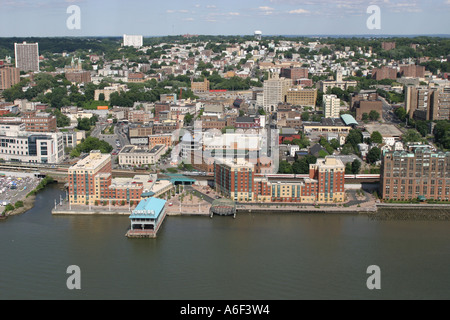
412, 136
374, 155
376, 137
90, 144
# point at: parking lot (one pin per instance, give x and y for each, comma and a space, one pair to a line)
15, 187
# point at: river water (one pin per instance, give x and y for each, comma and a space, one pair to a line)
252, 257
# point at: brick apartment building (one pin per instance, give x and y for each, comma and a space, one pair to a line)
238, 180
138, 77
40, 122
428, 103
388, 45
301, 97
200, 86
384, 73
140, 116
79, 76
212, 122
248, 123
90, 182
158, 139
9, 76
160, 107
294, 73
417, 173
366, 102
412, 71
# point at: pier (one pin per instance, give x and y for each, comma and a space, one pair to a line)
147, 218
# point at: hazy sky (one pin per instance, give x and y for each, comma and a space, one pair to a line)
213, 17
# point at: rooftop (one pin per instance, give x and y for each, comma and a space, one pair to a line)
149, 209
329, 162
349, 120
386, 130
134, 149
92, 161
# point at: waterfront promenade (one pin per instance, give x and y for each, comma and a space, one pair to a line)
197, 201
66, 209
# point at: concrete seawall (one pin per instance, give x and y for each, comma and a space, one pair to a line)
425, 206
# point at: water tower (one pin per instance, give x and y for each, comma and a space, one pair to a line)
258, 35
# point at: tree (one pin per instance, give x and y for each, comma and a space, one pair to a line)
84, 124
374, 155
376, 137
354, 138
285, 167
400, 113
335, 144
305, 116
90, 144
301, 166
347, 149
61, 119
348, 168
374, 115
323, 154
188, 118
442, 134
411, 136
423, 127
356, 166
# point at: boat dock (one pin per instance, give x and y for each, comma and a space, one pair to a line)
147, 218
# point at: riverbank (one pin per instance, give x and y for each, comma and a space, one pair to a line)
411, 213
28, 203
29, 200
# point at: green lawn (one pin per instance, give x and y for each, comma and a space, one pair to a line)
92, 105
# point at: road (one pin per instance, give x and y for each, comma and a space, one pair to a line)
388, 112
119, 134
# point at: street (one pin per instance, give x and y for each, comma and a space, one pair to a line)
119, 135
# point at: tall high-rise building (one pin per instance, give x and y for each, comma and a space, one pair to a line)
330, 175
235, 179
331, 105
384, 73
275, 90
9, 76
86, 176
388, 45
27, 56
428, 103
133, 41
440, 104
294, 73
412, 71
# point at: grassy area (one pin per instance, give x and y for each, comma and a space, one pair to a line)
92, 105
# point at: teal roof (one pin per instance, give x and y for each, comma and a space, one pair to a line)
148, 194
149, 209
178, 178
348, 119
